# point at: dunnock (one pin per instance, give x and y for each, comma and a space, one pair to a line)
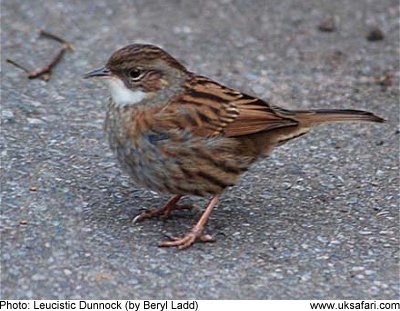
177, 132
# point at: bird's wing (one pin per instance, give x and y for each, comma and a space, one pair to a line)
210, 109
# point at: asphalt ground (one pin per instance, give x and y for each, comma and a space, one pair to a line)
318, 219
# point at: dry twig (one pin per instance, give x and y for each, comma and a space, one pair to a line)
45, 72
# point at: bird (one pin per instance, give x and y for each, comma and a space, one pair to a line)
174, 131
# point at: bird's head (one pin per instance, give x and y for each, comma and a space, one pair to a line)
139, 71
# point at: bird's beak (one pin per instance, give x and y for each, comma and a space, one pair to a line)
100, 72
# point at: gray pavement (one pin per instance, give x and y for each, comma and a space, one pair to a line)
319, 219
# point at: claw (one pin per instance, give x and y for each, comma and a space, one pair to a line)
150, 213
135, 219
186, 241
196, 234
181, 243
163, 212
206, 238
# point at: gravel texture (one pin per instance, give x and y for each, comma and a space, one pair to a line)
319, 219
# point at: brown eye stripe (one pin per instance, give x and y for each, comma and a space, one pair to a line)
148, 74
150, 80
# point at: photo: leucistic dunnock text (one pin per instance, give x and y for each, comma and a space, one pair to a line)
177, 132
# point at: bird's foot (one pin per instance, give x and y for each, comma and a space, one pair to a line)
162, 212
196, 234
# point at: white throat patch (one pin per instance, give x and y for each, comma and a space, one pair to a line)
123, 96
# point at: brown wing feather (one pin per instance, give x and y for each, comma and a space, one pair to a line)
210, 109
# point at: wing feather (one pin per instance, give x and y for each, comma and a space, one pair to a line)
210, 109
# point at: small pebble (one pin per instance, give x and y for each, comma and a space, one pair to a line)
352, 200
7, 115
358, 269
375, 34
39, 277
327, 25
34, 121
322, 239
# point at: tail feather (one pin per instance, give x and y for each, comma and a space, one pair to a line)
317, 116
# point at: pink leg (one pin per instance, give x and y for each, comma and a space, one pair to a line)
163, 212
197, 231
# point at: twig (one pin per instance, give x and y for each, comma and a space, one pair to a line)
45, 76
49, 35
45, 72
18, 65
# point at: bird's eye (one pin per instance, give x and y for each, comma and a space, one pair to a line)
135, 74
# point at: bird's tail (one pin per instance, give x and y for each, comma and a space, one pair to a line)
318, 116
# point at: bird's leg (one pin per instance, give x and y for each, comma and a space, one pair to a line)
163, 212
196, 233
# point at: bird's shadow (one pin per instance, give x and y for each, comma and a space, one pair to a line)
112, 214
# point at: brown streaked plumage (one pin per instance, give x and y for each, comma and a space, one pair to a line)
177, 132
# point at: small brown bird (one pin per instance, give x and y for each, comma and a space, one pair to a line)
177, 132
